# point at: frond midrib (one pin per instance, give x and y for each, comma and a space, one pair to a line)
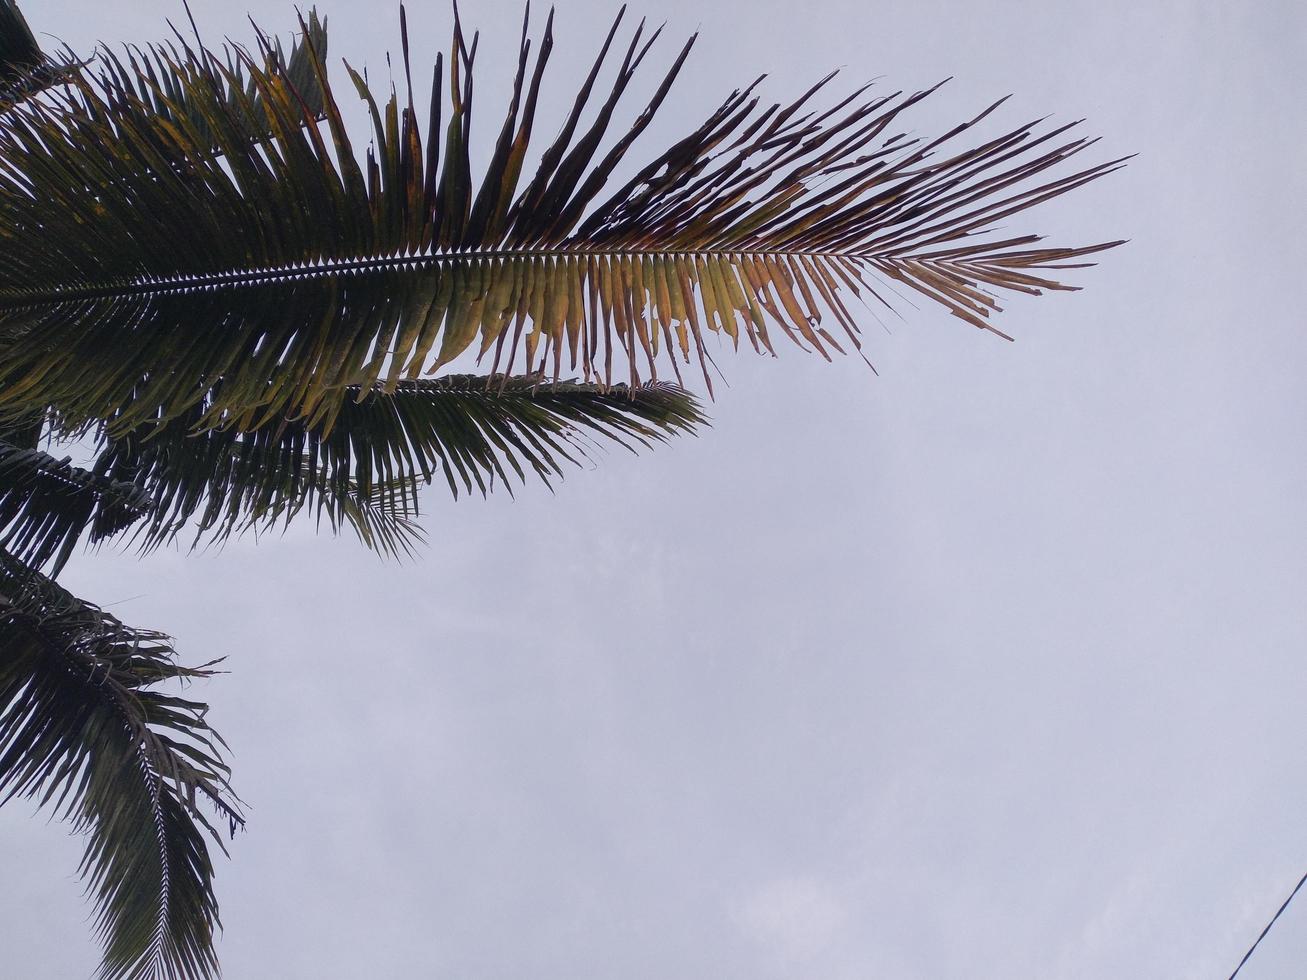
12, 300
117, 697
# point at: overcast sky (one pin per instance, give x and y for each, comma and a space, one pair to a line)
991, 666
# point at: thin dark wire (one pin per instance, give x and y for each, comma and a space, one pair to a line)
1301, 882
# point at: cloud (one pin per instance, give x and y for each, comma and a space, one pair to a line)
792, 918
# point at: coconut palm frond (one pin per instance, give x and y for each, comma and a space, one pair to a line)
47, 503
151, 278
84, 731
364, 473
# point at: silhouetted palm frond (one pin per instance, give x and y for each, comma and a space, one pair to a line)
365, 471
83, 730
265, 283
47, 503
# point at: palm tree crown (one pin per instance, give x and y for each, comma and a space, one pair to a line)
205, 284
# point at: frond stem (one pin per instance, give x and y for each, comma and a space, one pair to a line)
16, 300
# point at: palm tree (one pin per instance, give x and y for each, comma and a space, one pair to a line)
237, 320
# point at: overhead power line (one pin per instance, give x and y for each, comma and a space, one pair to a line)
1301, 882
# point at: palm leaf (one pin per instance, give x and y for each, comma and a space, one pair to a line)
365, 471
47, 503
146, 279
82, 730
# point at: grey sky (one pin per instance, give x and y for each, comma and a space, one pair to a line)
987, 667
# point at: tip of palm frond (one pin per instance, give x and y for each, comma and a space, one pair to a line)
681, 408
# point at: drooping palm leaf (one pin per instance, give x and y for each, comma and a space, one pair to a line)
83, 730
47, 503
150, 278
468, 431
